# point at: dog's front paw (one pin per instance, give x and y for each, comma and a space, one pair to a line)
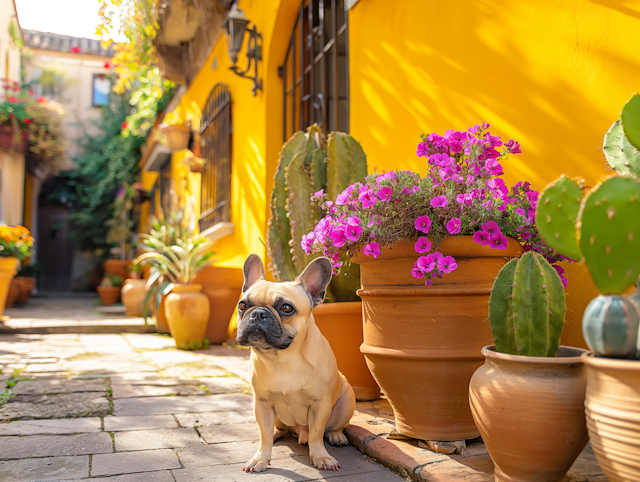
325, 462
256, 464
336, 438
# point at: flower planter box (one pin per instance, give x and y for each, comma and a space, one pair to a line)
422, 343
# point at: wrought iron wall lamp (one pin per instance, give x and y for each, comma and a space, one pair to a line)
235, 26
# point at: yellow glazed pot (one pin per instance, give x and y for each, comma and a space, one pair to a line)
132, 294
187, 311
8, 266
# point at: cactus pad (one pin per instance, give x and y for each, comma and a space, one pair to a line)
527, 307
620, 153
557, 215
610, 326
609, 235
630, 119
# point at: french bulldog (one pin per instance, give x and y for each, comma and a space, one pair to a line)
297, 387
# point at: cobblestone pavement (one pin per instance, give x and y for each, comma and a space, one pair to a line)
131, 408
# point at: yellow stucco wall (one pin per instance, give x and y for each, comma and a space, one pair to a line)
552, 74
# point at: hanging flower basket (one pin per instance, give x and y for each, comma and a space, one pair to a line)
7, 142
176, 137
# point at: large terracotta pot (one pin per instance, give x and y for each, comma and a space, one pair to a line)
162, 325
176, 137
422, 343
118, 267
530, 413
26, 285
223, 287
8, 266
14, 293
109, 295
187, 311
133, 293
613, 415
341, 324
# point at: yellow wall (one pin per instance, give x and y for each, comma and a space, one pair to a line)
551, 74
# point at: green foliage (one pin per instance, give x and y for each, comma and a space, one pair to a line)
307, 164
610, 326
557, 214
630, 119
527, 307
150, 97
623, 157
196, 345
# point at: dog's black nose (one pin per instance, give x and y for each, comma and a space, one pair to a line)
261, 315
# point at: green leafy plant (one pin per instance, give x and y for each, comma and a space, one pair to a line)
121, 225
111, 280
308, 163
527, 307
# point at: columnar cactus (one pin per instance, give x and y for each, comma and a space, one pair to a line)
527, 307
307, 164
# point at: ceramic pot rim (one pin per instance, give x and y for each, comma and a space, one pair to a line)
132, 281
457, 246
337, 308
490, 353
186, 288
592, 360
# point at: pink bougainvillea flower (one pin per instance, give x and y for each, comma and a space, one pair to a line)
307, 242
559, 269
343, 198
385, 194
481, 237
423, 223
75, 49
447, 264
428, 282
318, 194
338, 236
513, 147
491, 228
353, 232
423, 245
415, 189
353, 221
564, 280
367, 199
423, 150
439, 201
372, 249
499, 242
426, 263
437, 256
416, 272
374, 221
453, 226
526, 235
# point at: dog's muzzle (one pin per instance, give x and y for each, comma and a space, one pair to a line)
262, 329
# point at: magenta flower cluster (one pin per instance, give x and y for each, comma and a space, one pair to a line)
462, 194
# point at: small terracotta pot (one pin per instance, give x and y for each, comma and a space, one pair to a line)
341, 325
133, 293
187, 311
422, 343
14, 293
613, 415
8, 266
26, 286
176, 137
109, 295
162, 325
223, 287
119, 267
529, 411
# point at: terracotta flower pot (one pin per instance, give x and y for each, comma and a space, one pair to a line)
529, 411
422, 343
26, 285
133, 293
187, 311
613, 415
223, 287
162, 325
119, 267
8, 266
14, 293
176, 137
109, 295
341, 324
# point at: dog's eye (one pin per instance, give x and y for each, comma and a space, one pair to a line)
242, 306
287, 309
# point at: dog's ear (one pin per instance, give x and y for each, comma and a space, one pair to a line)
315, 278
253, 271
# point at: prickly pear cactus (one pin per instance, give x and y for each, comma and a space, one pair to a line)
557, 215
610, 326
609, 234
527, 307
630, 119
621, 155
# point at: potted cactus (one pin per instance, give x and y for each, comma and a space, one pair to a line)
109, 289
527, 400
603, 228
310, 163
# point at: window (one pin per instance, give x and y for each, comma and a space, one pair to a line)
101, 88
315, 72
215, 141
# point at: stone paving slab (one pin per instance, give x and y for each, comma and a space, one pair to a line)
226, 385
215, 418
55, 445
56, 426
194, 372
215, 434
156, 439
139, 422
159, 476
153, 379
48, 468
207, 403
133, 391
91, 404
55, 386
132, 462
